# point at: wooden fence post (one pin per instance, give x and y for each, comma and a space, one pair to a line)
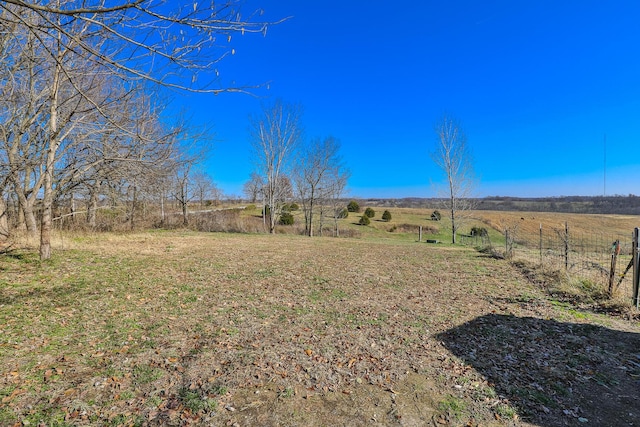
612, 272
420, 234
636, 268
506, 244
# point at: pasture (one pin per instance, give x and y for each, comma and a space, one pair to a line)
187, 328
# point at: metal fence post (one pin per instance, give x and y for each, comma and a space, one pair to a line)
636, 268
540, 243
566, 246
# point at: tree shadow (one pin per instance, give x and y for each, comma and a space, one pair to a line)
554, 373
62, 294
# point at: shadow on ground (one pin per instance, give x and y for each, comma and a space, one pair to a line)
554, 373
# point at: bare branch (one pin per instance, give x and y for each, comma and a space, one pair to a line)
79, 11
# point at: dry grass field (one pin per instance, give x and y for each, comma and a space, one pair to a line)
182, 328
530, 222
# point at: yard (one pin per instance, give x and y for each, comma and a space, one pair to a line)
186, 328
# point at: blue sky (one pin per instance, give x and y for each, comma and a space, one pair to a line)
536, 85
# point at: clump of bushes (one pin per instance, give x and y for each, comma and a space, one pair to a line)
286, 219
386, 216
364, 220
353, 206
290, 207
369, 213
479, 231
436, 216
343, 213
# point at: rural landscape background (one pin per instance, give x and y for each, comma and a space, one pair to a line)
222, 323
219, 214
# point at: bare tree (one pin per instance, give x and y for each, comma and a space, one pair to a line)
314, 175
275, 136
202, 186
4, 222
215, 193
182, 191
454, 160
337, 183
72, 43
23, 99
253, 188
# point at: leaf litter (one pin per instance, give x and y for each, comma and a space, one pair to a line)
285, 330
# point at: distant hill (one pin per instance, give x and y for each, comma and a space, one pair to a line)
621, 205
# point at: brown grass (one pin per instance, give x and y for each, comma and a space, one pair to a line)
529, 222
185, 328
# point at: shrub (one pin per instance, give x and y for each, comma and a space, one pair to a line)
344, 213
228, 221
286, 219
251, 207
353, 206
386, 216
479, 231
364, 220
369, 213
436, 216
290, 207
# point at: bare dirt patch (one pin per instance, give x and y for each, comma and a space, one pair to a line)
171, 328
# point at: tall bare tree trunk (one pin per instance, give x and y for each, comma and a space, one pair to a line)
21, 224
133, 206
310, 223
4, 223
185, 214
26, 215
452, 204
73, 208
162, 212
93, 204
54, 143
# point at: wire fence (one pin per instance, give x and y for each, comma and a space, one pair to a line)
586, 256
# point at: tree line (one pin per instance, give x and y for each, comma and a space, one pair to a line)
79, 113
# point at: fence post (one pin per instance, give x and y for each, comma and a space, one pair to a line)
636, 268
540, 243
506, 244
420, 234
566, 245
612, 272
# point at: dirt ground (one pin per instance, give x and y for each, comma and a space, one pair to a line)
212, 329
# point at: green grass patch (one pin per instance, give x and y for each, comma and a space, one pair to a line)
195, 402
452, 405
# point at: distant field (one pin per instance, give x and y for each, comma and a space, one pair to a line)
529, 222
186, 328
408, 220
